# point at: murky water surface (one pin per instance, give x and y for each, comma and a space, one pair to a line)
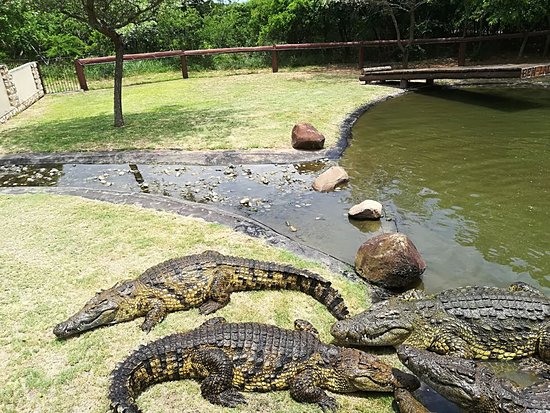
469, 173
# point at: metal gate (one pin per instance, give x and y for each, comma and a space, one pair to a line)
58, 75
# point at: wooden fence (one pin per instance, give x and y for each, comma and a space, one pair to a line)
275, 49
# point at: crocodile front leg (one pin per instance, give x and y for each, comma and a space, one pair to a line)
304, 389
156, 314
217, 387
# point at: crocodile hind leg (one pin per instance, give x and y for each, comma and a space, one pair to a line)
219, 295
305, 389
450, 340
217, 387
544, 343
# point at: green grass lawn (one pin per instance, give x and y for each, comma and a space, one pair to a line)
56, 252
225, 112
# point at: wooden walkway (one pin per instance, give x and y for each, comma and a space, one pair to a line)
428, 74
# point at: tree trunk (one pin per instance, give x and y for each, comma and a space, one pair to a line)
412, 25
547, 44
398, 35
522, 47
119, 54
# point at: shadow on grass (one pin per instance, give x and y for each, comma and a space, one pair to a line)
160, 128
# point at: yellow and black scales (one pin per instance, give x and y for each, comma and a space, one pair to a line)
252, 357
469, 322
204, 280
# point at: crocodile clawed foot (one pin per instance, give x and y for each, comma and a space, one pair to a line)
210, 307
147, 326
328, 404
231, 398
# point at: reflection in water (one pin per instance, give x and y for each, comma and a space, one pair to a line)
469, 176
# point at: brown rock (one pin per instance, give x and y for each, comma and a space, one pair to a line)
330, 179
390, 260
368, 209
305, 136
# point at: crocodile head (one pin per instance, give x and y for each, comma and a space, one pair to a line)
112, 306
384, 324
456, 379
360, 371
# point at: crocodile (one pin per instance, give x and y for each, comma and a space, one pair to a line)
473, 386
407, 403
234, 357
203, 280
469, 322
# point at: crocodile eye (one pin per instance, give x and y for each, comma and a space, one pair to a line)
126, 289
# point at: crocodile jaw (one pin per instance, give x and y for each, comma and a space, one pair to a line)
86, 319
365, 372
367, 329
112, 306
454, 378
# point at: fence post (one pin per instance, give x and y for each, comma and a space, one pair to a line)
80, 75
462, 54
184, 68
362, 55
274, 60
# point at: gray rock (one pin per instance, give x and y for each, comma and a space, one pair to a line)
368, 209
330, 179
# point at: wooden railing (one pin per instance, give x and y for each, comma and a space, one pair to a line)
275, 49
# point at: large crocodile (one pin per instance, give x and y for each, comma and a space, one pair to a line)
204, 280
252, 357
472, 386
469, 322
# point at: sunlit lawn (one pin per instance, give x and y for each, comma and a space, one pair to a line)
56, 252
242, 111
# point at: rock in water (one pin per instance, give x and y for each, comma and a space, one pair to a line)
390, 260
368, 209
330, 179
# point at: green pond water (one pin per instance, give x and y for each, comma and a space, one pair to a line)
467, 172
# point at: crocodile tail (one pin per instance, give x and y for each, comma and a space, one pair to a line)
145, 366
249, 274
323, 291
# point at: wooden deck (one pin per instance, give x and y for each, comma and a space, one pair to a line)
512, 71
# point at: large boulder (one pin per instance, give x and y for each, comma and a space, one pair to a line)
305, 136
330, 179
390, 260
368, 209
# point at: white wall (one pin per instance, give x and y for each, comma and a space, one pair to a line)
24, 81
19, 89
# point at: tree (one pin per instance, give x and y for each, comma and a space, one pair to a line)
514, 15
392, 8
108, 17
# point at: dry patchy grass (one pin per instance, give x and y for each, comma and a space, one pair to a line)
55, 252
